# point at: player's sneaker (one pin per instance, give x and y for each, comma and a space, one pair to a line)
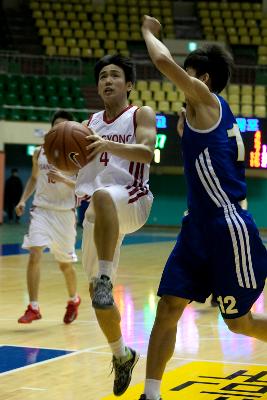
30, 315
103, 297
143, 397
123, 372
72, 311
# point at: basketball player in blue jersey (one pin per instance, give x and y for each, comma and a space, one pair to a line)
116, 179
218, 249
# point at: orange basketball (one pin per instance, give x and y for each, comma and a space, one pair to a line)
65, 146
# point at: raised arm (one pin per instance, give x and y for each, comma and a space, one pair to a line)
195, 90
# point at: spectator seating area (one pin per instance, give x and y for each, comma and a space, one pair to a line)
246, 100
238, 23
35, 97
88, 29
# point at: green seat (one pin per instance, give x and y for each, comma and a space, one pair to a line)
40, 100
12, 86
76, 91
37, 89
3, 78
24, 87
2, 97
2, 113
44, 116
14, 114
50, 90
26, 99
11, 99
80, 102
63, 91
82, 115
66, 102
30, 115
53, 101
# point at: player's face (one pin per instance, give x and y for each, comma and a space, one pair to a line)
111, 83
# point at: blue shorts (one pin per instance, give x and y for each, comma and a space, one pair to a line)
224, 256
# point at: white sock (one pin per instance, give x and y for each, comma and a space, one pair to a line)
105, 268
74, 299
35, 305
152, 389
118, 348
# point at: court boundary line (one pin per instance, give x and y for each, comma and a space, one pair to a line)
94, 349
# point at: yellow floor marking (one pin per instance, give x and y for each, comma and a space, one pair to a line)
208, 381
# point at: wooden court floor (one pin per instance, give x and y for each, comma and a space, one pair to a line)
48, 360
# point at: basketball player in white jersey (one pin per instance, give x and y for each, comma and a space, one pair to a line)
116, 180
52, 225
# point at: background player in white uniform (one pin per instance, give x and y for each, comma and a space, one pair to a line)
52, 225
116, 179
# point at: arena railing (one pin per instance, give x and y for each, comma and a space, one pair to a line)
16, 63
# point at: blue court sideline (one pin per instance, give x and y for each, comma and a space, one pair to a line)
141, 237
135, 238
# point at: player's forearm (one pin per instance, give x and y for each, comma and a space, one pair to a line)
29, 189
132, 152
157, 50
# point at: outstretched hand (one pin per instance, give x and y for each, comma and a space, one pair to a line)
151, 24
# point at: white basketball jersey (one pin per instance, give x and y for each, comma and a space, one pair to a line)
51, 194
107, 169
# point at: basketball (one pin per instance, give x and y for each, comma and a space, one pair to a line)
65, 146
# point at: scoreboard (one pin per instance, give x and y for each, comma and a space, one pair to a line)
168, 151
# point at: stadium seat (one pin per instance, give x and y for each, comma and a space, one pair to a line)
259, 90
152, 104
163, 106
146, 95
235, 109
141, 85
75, 52
260, 111
246, 110
138, 103
154, 86
159, 95
134, 95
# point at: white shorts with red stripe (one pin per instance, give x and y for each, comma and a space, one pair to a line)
133, 207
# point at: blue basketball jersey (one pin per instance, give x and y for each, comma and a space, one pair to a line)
214, 165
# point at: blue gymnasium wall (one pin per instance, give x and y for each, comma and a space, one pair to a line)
170, 200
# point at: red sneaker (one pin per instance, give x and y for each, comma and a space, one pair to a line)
30, 315
72, 311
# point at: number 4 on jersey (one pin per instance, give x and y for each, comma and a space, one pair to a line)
104, 158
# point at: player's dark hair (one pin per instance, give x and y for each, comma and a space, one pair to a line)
125, 63
62, 114
215, 61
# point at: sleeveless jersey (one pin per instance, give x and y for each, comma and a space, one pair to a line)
107, 169
50, 194
214, 165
